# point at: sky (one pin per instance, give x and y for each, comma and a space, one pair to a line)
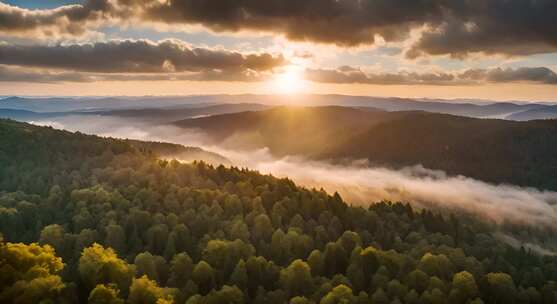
489, 49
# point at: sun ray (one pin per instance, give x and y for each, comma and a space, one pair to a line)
290, 81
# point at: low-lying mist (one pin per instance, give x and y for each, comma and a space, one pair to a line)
357, 183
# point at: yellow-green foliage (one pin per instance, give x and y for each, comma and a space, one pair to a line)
29, 273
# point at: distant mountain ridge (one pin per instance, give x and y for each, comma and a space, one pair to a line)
546, 112
142, 115
464, 107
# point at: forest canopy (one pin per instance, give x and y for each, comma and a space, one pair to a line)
86, 219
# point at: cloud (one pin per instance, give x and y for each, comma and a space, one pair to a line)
17, 74
345, 22
510, 27
517, 244
132, 60
531, 74
347, 74
171, 60
457, 28
203, 70
11, 74
421, 187
64, 21
136, 56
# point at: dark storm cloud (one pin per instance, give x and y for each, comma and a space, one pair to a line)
455, 27
135, 56
345, 75
511, 27
342, 22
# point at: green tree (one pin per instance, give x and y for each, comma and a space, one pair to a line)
105, 294
369, 261
296, 279
115, 238
29, 274
417, 280
54, 235
380, 297
239, 276
145, 265
396, 290
224, 255
464, 288
500, 288
181, 268
300, 300
436, 265
145, 291
170, 249
339, 295
204, 276
262, 228
227, 294
99, 265
336, 259
316, 262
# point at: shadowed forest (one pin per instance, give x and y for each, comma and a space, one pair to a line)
492, 150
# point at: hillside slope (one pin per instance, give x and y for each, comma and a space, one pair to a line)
287, 130
498, 151
171, 114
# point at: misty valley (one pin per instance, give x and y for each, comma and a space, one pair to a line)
245, 199
278, 152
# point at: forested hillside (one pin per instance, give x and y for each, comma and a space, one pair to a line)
94, 220
497, 151
175, 151
288, 130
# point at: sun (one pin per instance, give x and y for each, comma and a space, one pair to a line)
291, 81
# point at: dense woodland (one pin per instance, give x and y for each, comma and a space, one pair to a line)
492, 150
97, 220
